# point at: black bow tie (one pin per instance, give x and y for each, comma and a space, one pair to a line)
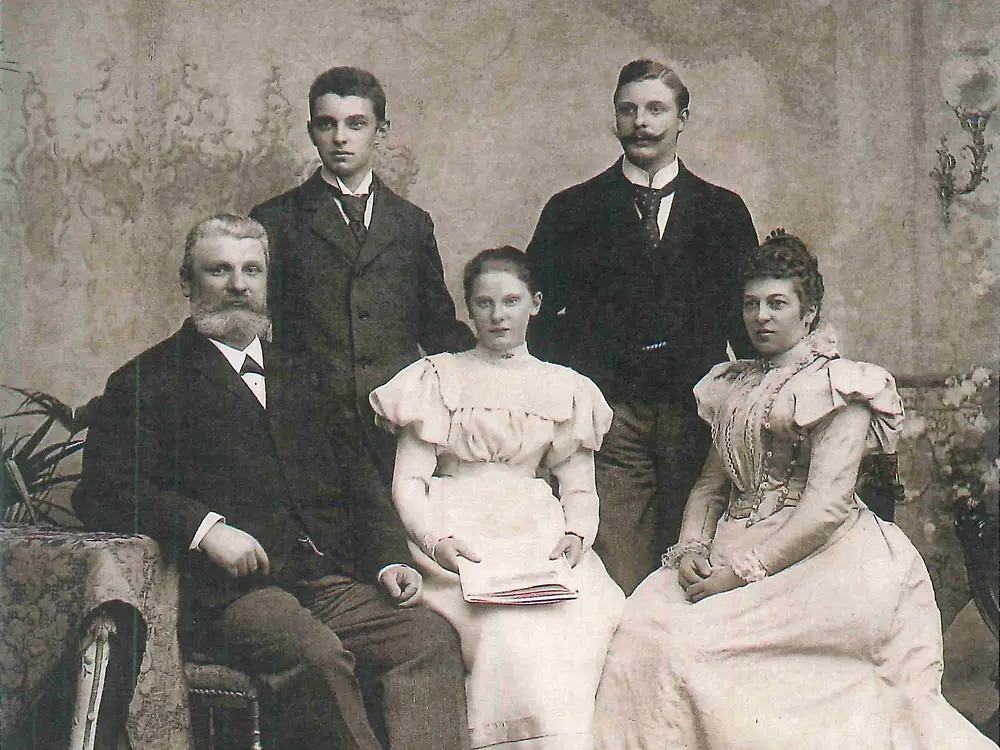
250, 367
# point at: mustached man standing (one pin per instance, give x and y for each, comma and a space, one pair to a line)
639, 269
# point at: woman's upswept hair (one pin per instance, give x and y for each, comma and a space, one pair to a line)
785, 256
504, 258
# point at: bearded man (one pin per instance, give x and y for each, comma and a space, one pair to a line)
227, 452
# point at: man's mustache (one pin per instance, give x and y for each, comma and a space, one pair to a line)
642, 138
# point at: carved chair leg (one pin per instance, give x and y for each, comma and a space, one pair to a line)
255, 742
90, 683
211, 728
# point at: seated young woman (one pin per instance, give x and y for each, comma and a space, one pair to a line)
788, 615
474, 429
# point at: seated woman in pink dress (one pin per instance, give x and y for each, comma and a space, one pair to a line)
788, 616
474, 429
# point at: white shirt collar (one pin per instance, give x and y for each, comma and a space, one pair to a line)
236, 356
638, 176
363, 189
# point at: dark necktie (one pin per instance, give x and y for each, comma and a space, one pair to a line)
647, 200
250, 367
354, 206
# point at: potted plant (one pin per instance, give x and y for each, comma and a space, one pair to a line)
30, 463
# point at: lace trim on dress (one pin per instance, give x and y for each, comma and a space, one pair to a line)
672, 557
749, 568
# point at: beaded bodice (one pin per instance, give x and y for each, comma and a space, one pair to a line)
765, 454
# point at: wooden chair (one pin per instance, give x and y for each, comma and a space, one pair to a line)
214, 687
878, 484
977, 524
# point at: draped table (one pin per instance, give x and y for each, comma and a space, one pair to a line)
51, 581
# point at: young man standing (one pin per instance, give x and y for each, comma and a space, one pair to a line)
356, 277
638, 267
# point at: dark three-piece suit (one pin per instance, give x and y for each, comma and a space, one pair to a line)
366, 308
645, 323
178, 434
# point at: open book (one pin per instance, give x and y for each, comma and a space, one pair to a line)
516, 574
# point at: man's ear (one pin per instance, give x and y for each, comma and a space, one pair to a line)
537, 303
382, 129
682, 118
185, 284
309, 129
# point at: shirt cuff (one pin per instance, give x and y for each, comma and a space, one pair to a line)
206, 525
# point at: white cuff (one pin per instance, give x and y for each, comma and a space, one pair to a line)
206, 525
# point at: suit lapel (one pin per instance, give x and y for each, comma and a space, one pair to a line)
677, 232
680, 224
202, 355
624, 217
326, 220
383, 229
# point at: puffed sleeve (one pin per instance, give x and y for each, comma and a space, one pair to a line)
588, 421
571, 457
416, 404
711, 391
849, 408
843, 382
416, 398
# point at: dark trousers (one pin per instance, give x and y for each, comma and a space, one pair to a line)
329, 625
646, 467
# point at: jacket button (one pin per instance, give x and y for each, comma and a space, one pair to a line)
364, 363
363, 316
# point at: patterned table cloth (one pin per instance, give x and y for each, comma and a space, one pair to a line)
50, 581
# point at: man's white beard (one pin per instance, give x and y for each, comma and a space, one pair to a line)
231, 322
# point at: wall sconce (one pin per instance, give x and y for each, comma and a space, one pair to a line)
974, 123
970, 77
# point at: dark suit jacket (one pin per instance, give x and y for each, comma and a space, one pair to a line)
178, 434
363, 309
606, 297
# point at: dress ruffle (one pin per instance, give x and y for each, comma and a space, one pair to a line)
433, 398
414, 398
816, 394
842, 382
712, 390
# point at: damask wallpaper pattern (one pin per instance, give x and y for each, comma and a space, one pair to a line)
105, 217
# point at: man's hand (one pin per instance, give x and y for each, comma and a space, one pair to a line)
721, 579
572, 547
403, 584
693, 567
235, 551
448, 550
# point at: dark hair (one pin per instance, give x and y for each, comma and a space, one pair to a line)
222, 225
346, 81
785, 256
649, 70
504, 258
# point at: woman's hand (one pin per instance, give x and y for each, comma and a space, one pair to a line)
721, 579
570, 545
448, 550
693, 567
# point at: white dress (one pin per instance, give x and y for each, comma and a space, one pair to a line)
533, 671
840, 650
